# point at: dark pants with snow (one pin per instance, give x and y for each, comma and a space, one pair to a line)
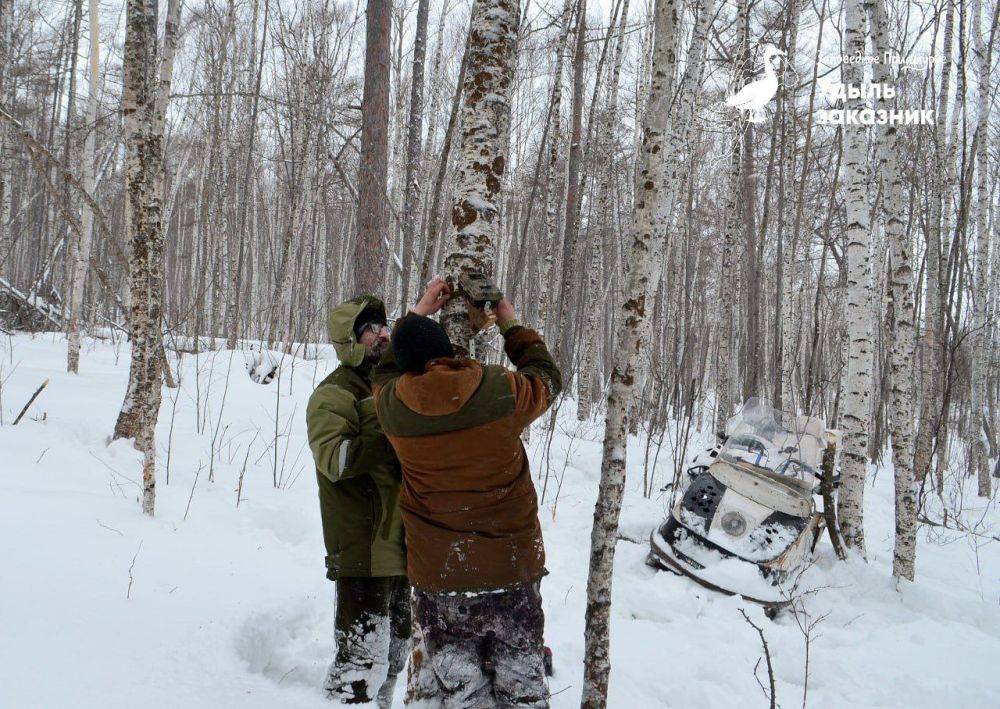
372, 629
478, 651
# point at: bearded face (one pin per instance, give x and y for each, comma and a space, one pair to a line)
375, 338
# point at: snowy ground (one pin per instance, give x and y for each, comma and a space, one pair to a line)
210, 604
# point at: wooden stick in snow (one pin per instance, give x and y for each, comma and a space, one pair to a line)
30, 402
829, 506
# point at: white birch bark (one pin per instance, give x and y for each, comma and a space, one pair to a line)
482, 161
143, 119
553, 180
788, 233
858, 382
728, 268
607, 148
932, 346
6, 10
413, 157
648, 217
902, 401
977, 449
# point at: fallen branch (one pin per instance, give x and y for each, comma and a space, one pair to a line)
193, 485
960, 528
31, 401
128, 591
767, 659
35, 150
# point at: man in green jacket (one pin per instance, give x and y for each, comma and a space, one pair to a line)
359, 478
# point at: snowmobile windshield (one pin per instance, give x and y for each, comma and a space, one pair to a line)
767, 438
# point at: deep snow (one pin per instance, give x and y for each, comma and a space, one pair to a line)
102, 607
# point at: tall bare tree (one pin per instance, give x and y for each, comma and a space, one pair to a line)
932, 338
6, 61
902, 401
414, 130
553, 179
475, 216
858, 382
144, 104
648, 217
570, 280
81, 246
734, 207
982, 49
373, 173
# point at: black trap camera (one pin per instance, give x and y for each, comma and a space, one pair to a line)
478, 290
480, 295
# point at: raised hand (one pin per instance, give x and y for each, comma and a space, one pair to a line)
434, 298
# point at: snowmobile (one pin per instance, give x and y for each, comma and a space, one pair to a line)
745, 517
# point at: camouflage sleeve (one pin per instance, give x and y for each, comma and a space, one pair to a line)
537, 381
333, 428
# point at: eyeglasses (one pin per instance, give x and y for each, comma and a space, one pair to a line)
376, 328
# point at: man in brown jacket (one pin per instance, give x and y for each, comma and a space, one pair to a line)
474, 544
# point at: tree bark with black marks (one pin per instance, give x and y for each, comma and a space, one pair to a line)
978, 463
143, 113
902, 394
932, 338
589, 387
570, 280
858, 383
553, 180
414, 129
648, 216
485, 122
729, 270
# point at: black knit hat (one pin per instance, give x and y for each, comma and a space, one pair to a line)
371, 313
417, 340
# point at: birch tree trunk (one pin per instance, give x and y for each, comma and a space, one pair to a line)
81, 247
786, 292
553, 181
485, 122
858, 383
373, 173
144, 187
607, 148
648, 217
729, 270
569, 282
6, 10
902, 401
432, 240
414, 129
977, 450
232, 316
930, 377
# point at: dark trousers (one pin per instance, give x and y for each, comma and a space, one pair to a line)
478, 651
372, 630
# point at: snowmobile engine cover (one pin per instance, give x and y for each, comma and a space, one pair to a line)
752, 505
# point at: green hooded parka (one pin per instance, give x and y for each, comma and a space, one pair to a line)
356, 467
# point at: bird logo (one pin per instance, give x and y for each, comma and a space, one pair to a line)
753, 97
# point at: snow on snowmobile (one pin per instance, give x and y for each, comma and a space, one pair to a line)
746, 519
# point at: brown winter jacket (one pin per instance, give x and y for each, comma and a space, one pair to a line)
468, 503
